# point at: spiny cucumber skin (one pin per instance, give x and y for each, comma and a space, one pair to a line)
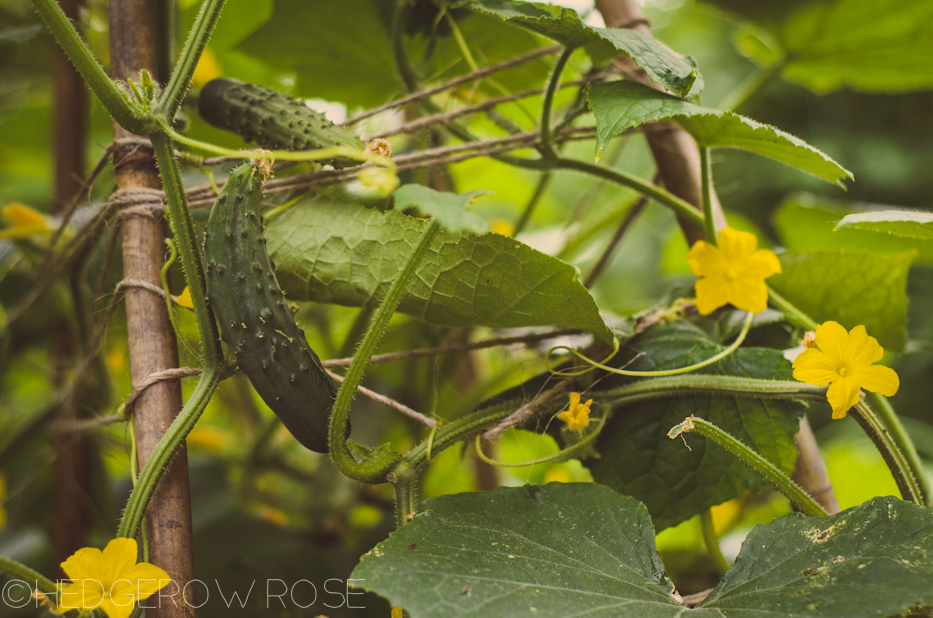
271, 119
255, 320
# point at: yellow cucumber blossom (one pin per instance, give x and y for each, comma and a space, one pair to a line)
732, 273
577, 416
110, 580
844, 361
184, 300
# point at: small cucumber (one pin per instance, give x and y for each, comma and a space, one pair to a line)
271, 119
255, 320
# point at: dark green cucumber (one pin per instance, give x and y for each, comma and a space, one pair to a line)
255, 320
271, 119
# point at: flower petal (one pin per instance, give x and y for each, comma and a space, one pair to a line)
750, 295
736, 247
712, 293
119, 557
115, 608
878, 379
86, 563
147, 579
705, 259
842, 395
861, 349
84, 594
831, 338
762, 265
814, 367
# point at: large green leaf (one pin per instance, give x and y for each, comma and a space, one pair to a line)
675, 72
850, 288
808, 222
676, 482
339, 50
556, 550
342, 51
563, 550
867, 45
340, 252
873, 561
450, 209
900, 223
622, 105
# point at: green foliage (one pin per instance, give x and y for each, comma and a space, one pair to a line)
547, 550
675, 72
865, 45
449, 209
872, 560
808, 222
557, 550
900, 223
676, 482
623, 105
850, 288
340, 252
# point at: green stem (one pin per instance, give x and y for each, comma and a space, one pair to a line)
198, 36
680, 207
382, 461
753, 460
706, 190
696, 384
648, 374
904, 444
712, 542
562, 455
793, 314
896, 460
22, 572
405, 480
540, 190
547, 148
183, 227
319, 154
113, 100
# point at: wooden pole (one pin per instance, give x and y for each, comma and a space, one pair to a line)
152, 344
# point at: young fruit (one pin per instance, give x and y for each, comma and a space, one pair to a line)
271, 119
255, 320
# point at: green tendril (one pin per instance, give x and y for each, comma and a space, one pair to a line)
562, 455
644, 374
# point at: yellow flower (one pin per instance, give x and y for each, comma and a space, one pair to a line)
577, 416
844, 361
184, 300
501, 226
109, 579
25, 221
734, 272
208, 68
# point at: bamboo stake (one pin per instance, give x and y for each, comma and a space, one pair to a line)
152, 344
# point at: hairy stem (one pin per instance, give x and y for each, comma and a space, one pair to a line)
753, 460
547, 148
896, 460
23, 573
712, 542
706, 195
904, 444
405, 480
383, 461
90, 69
198, 36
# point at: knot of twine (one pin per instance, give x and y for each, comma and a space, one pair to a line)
138, 202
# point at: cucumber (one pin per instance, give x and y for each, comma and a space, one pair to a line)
271, 119
255, 320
